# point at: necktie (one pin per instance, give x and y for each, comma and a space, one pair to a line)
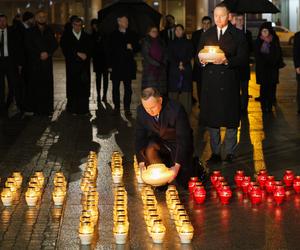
220, 35
2, 43
156, 118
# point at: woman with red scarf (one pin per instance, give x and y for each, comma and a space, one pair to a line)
268, 58
154, 61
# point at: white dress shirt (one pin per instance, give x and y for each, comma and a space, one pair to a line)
77, 35
223, 31
5, 41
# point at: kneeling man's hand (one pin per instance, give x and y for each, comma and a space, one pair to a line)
175, 170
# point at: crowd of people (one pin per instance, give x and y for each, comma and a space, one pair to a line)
170, 65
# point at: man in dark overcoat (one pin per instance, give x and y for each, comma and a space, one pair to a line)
163, 128
122, 46
206, 23
244, 69
40, 44
220, 97
77, 47
99, 55
11, 62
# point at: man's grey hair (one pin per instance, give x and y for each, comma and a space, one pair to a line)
150, 92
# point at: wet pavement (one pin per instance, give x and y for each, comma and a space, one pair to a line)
266, 141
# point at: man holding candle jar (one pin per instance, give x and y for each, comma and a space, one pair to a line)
164, 135
220, 97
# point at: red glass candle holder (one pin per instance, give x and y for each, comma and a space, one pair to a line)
288, 178
245, 183
199, 194
218, 182
256, 195
262, 178
270, 184
250, 186
192, 184
225, 195
214, 177
279, 194
296, 184
239, 177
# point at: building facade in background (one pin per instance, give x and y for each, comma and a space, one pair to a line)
186, 12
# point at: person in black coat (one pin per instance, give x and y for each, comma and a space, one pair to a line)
122, 46
163, 129
25, 86
296, 57
180, 55
40, 44
77, 46
154, 55
11, 62
244, 69
268, 58
220, 96
99, 60
168, 33
196, 37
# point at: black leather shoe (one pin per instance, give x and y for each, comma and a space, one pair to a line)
214, 158
229, 158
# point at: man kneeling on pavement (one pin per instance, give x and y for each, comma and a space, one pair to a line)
164, 135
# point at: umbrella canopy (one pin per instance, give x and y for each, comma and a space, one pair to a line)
251, 6
140, 16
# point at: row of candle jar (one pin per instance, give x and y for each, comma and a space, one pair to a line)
116, 167
35, 188
252, 188
60, 189
155, 226
89, 200
221, 186
12, 184
197, 190
90, 173
267, 182
120, 216
178, 213
137, 171
289, 179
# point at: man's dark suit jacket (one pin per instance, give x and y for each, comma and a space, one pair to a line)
173, 129
15, 48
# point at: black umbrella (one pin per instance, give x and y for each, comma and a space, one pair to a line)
140, 16
251, 6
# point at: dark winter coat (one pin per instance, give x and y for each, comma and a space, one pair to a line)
173, 129
245, 69
41, 72
78, 73
180, 50
267, 65
99, 53
121, 59
220, 96
154, 72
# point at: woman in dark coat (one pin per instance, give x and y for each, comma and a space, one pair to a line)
268, 60
180, 54
154, 63
76, 46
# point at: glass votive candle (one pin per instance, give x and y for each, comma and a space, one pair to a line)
7, 197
